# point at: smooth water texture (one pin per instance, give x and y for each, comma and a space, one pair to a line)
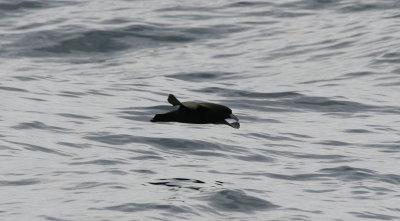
315, 83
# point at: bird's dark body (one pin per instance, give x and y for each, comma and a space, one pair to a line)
196, 113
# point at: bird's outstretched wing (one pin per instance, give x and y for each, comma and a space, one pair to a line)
173, 100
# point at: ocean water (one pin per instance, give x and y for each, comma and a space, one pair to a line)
315, 83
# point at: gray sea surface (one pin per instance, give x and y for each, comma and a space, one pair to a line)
315, 83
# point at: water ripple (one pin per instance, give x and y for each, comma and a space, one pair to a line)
19, 182
99, 162
87, 185
237, 201
135, 36
136, 207
32, 147
314, 83
201, 76
196, 147
20, 5
12, 89
38, 125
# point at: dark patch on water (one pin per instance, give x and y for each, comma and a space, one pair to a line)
293, 102
310, 5
297, 177
333, 143
38, 125
357, 131
105, 41
117, 172
392, 84
359, 74
20, 5
144, 171
196, 147
87, 185
255, 158
273, 138
137, 207
34, 99
387, 147
389, 57
237, 201
25, 78
96, 92
319, 191
203, 76
298, 135
91, 41
50, 218
147, 157
332, 157
370, 215
76, 116
99, 162
32, 147
19, 182
342, 173
347, 173
12, 89
353, 7
76, 145
242, 4
277, 14
71, 94
328, 105
225, 92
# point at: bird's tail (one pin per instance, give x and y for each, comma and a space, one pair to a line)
172, 100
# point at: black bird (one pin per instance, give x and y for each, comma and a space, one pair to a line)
197, 113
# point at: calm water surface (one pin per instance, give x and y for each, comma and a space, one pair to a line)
315, 83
